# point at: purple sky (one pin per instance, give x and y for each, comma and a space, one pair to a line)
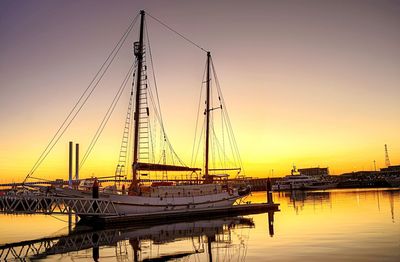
307, 82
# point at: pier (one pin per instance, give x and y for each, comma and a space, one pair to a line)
103, 211
56, 205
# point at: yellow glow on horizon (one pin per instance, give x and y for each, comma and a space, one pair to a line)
296, 94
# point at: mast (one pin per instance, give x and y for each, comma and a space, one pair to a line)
138, 50
207, 177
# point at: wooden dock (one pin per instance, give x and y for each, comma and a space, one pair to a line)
242, 209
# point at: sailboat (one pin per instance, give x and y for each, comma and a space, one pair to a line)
166, 196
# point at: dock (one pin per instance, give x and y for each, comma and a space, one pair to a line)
241, 209
103, 212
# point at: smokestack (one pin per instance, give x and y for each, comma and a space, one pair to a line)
76, 162
70, 165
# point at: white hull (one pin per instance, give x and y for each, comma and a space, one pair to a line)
127, 205
294, 182
130, 205
304, 186
285, 187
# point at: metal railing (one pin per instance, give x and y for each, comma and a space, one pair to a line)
56, 205
41, 248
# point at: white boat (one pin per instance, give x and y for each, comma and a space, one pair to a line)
166, 198
139, 198
298, 181
294, 182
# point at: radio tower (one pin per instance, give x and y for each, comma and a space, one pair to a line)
387, 160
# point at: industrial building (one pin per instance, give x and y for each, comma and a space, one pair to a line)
314, 171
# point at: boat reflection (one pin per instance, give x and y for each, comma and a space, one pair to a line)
203, 238
299, 200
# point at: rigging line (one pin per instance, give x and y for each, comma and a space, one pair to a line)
166, 139
222, 132
44, 154
198, 111
129, 126
179, 34
230, 135
219, 147
83, 103
231, 147
212, 142
230, 131
227, 116
152, 135
200, 137
158, 110
216, 146
107, 116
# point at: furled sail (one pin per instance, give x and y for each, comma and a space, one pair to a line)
161, 167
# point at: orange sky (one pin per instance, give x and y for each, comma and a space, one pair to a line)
306, 83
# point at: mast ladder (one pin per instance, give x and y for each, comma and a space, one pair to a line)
120, 171
143, 114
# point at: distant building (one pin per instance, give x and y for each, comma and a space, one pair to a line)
391, 170
359, 174
314, 171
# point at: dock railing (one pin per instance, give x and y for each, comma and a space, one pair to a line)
56, 205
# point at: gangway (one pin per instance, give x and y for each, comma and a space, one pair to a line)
56, 205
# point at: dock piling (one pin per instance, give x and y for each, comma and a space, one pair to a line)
271, 223
95, 193
269, 192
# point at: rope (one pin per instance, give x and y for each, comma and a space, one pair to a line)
179, 34
197, 119
230, 130
107, 116
157, 107
55, 139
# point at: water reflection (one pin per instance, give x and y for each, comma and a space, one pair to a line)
205, 238
336, 225
298, 200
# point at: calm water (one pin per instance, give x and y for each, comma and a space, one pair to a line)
338, 225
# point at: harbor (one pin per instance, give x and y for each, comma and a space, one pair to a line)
307, 225
202, 131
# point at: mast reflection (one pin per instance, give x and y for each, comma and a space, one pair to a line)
171, 241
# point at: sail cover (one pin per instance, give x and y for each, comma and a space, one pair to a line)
161, 167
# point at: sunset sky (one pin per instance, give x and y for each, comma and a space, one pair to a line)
310, 83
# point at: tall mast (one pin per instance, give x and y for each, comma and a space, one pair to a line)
138, 50
206, 175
